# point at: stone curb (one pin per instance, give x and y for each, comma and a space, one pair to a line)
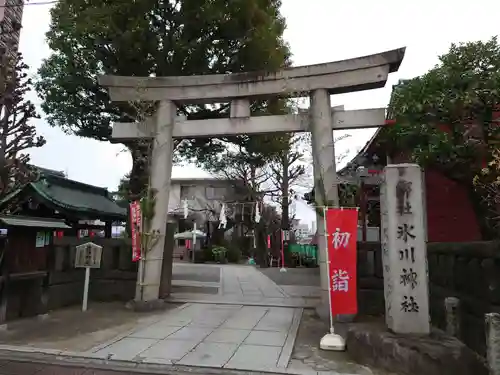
246, 303
88, 362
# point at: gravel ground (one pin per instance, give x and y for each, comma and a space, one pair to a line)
73, 330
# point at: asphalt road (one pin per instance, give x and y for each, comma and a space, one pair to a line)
15, 367
24, 368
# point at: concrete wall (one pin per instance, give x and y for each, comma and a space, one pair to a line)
468, 271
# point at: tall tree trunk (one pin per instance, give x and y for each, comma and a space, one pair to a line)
139, 175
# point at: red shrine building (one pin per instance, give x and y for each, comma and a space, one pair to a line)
450, 213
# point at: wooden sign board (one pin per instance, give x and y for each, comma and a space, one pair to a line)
88, 255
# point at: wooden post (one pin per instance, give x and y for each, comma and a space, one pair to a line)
108, 229
168, 252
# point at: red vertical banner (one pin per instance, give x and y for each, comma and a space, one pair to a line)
342, 229
268, 241
136, 223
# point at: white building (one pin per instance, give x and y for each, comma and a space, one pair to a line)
301, 231
205, 197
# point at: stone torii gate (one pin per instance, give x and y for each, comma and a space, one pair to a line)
320, 81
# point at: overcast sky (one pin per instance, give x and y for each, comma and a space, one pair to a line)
318, 31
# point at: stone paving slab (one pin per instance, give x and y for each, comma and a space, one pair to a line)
230, 336
243, 281
266, 338
224, 336
255, 357
153, 332
211, 354
127, 348
169, 350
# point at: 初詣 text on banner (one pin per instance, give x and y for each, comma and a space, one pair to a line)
342, 229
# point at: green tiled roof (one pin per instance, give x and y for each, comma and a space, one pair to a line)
34, 222
77, 197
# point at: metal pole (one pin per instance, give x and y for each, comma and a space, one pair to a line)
194, 240
328, 270
86, 289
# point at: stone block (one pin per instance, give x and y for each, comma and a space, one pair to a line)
493, 342
434, 354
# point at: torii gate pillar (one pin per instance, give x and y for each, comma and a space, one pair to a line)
325, 179
148, 285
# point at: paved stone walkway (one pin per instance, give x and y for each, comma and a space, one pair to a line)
238, 285
237, 337
235, 318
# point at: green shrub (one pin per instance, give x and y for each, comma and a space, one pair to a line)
219, 254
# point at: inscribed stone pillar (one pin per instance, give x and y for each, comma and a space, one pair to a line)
452, 313
161, 170
325, 175
404, 250
492, 322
